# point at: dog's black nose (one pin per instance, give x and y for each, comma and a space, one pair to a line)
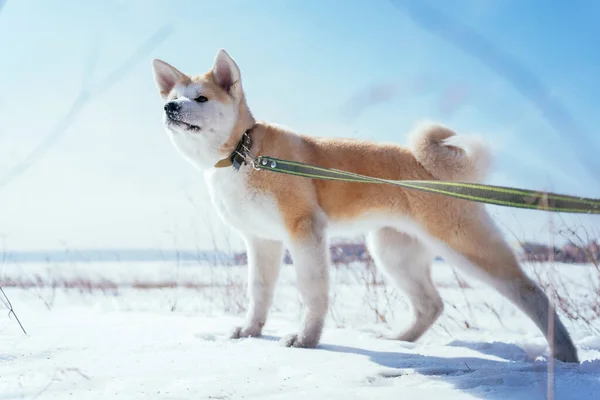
172, 107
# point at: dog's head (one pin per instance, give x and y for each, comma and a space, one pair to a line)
205, 115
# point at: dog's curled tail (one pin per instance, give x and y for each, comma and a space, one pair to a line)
448, 156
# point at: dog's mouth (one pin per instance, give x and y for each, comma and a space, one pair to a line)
189, 127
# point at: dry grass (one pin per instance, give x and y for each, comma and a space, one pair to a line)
224, 289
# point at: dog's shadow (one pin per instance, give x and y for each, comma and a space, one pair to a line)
515, 376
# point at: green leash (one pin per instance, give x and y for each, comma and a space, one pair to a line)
497, 195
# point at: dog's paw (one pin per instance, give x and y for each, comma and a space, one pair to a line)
293, 340
238, 333
403, 340
566, 354
408, 337
392, 336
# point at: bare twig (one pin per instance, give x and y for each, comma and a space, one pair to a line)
467, 302
551, 322
5, 300
11, 310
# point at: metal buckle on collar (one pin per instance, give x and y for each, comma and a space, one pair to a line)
256, 162
238, 157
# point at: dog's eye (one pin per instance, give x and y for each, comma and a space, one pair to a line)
201, 99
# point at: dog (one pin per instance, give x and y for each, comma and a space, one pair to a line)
210, 123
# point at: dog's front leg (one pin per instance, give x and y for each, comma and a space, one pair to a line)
309, 254
264, 261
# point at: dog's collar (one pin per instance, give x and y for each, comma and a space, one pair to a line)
238, 157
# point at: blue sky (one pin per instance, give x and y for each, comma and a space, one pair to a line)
366, 69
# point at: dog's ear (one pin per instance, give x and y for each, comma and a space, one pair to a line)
166, 77
226, 73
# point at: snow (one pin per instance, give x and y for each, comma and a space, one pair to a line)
121, 341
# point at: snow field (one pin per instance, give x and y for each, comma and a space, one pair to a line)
127, 334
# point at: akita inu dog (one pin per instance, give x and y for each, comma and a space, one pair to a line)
209, 122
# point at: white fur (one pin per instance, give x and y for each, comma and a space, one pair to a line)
188, 92
215, 119
247, 210
202, 148
407, 263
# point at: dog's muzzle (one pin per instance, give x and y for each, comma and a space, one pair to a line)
173, 112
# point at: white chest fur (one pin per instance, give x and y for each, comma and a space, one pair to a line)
242, 207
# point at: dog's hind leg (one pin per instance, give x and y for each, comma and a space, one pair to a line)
484, 252
406, 262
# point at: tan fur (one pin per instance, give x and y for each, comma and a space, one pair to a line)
436, 147
342, 201
461, 227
